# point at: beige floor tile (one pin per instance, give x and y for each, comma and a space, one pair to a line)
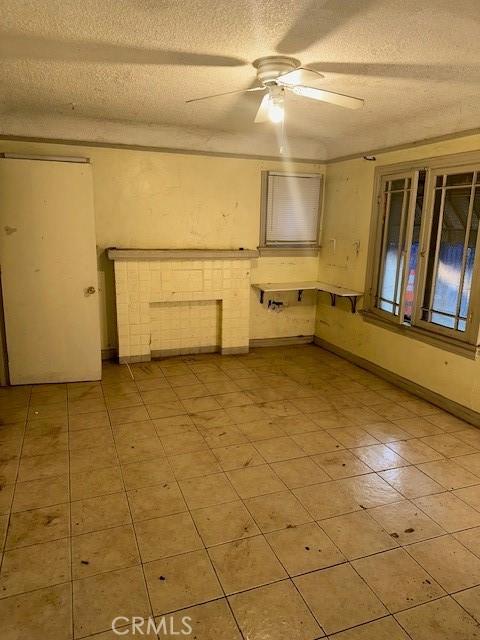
379, 457
238, 456
247, 413
418, 427
217, 437
470, 462
92, 458
34, 567
40, 493
411, 482
294, 425
6, 496
209, 621
233, 399
280, 408
353, 437
102, 551
330, 419
224, 523
406, 522
175, 424
304, 548
470, 538
315, 442
43, 466
369, 490
134, 431
339, 598
255, 481
257, 430
387, 432
276, 449
397, 579
197, 405
470, 601
448, 445
326, 500
449, 474
442, 619
167, 536
101, 512
146, 473
181, 581
37, 615
470, 495
469, 435
154, 396
124, 400
194, 465
208, 419
83, 438
341, 464
97, 600
446, 420
452, 565
277, 511
129, 414
36, 443
274, 611
415, 451
299, 472
358, 534
245, 564
142, 449
89, 484
93, 420
153, 502
207, 491
450, 512
38, 525
183, 443
383, 629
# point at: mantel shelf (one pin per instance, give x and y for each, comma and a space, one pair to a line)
181, 254
300, 287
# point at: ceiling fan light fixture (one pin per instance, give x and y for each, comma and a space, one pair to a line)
276, 106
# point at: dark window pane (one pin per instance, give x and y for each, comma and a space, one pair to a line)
459, 178
414, 249
392, 263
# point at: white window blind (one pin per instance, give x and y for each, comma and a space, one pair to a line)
292, 208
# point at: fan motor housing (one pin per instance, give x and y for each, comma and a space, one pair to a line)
271, 67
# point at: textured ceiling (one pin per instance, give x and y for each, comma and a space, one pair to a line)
121, 71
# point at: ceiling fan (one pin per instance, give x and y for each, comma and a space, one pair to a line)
279, 75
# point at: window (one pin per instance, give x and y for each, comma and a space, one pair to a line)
426, 270
290, 216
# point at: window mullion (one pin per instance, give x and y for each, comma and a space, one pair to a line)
412, 202
386, 216
400, 253
437, 249
465, 249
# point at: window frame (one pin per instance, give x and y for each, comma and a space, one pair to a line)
298, 248
464, 343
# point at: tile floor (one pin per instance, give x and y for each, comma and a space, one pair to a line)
285, 494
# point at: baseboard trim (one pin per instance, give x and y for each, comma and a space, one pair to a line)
455, 408
183, 351
233, 351
280, 342
134, 359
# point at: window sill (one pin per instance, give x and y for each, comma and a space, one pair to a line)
302, 252
441, 342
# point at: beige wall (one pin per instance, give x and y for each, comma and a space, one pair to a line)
348, 208
165, 200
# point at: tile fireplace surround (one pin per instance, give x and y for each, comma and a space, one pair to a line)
147, 278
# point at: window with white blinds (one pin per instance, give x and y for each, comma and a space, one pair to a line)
292, 209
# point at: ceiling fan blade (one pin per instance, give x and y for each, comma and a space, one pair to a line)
319, 19
301, 75
328, 96
22, 46
262, 113
226, 93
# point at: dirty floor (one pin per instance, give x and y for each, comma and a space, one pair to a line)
284, 495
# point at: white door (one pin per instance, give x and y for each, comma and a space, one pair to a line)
49, 271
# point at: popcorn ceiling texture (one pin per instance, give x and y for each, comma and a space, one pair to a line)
121, 72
